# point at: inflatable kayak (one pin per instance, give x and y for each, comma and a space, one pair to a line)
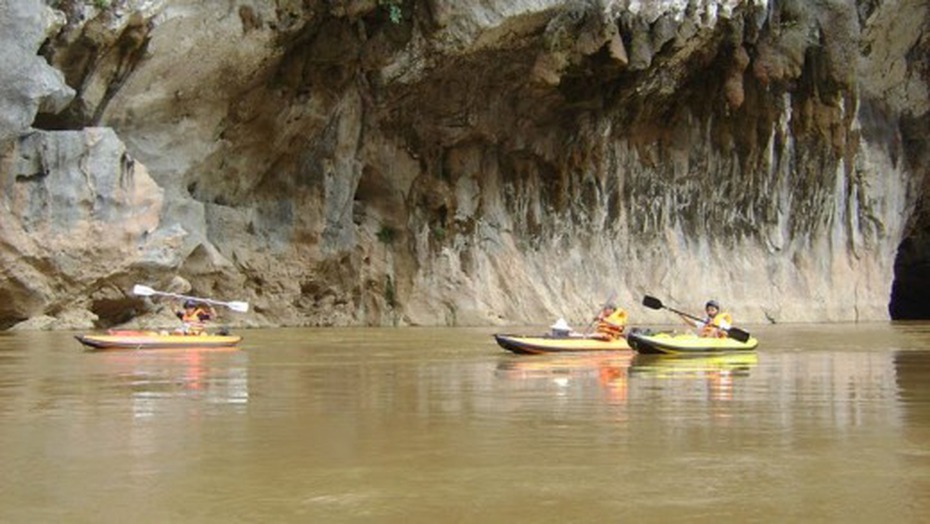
542, 344
647, 342
156, 340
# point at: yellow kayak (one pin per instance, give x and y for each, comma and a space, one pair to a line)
156, 340
542, 344
647, 342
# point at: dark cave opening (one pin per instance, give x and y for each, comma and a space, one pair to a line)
910, 291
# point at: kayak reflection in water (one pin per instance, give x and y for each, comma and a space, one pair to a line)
715, 322
194, 318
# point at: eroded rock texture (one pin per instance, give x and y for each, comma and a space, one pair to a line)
389, 162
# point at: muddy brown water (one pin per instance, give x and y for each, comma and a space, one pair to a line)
824, 423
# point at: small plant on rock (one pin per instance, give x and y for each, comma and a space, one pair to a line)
393, 9
386, 234
390, 294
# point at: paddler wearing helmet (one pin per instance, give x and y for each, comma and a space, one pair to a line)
194, 317
715, 322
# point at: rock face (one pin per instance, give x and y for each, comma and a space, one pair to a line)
77, 214
398, 162
26, 81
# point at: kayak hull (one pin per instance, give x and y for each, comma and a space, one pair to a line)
154, 340
680, 344
543, 344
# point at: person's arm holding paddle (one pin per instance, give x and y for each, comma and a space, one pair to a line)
718, 323
701, 324
692, 323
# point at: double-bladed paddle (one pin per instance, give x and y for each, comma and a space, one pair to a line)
733, 332
146, 291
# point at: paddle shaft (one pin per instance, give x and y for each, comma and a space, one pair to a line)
613, 295
682, 313
197, 299
236, 306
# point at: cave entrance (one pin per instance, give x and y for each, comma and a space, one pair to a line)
910, 291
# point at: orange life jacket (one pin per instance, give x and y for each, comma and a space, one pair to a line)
195, 320
712, 325
613, 325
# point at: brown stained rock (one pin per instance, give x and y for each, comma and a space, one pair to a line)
493, 161
251, 20
733, 86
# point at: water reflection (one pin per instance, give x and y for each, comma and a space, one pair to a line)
679, 366
615, 372
154, 378
420, 425
607, 370
717, 372
913, 382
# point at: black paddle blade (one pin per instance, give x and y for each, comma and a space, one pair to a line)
738, 334
652, 302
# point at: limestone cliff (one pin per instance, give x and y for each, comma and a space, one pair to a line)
396, 162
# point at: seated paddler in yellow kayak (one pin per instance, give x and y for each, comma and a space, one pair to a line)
611, 322
610, 325
715, 324
194, 318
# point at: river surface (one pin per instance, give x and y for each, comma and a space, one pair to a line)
824, 423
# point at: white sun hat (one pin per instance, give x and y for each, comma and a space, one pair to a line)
560, 325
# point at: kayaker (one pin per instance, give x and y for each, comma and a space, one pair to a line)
611, 322
715, 322
195, 317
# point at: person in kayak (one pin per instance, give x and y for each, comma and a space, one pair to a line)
611, 322
194, 317
715, 322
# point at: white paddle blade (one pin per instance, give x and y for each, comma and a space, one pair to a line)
145, 291
242, 307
